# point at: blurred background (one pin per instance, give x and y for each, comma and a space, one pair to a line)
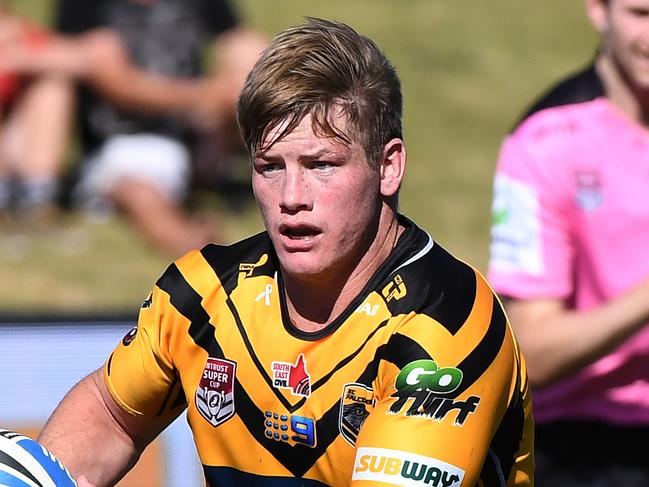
468, 69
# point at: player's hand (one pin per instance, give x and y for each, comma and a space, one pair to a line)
83, 482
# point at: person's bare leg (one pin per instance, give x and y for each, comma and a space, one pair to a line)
37, 137
47, 110
159, 219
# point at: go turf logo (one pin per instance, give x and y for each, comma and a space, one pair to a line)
427, 386
396, 467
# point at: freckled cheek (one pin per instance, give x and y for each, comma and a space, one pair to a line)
346, 207
267, 203
343, 192
265, 193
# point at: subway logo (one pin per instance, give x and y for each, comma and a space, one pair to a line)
406, 469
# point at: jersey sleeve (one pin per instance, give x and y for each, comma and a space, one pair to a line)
444, 398
140, 373
531, 253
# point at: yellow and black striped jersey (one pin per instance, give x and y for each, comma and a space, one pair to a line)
419, 382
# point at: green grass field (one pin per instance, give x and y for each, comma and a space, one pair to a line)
467, 68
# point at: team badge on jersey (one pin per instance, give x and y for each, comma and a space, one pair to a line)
589, 190
215, 392
292, 376
355, 406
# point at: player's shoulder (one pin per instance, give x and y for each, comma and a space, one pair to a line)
243, 250
222, 264
436, 284
583, 86
572, 106
564, 123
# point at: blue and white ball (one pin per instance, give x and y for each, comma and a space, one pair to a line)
26, 463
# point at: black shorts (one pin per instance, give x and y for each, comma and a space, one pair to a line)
590, 453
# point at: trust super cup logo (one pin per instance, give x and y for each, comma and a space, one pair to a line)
215, 392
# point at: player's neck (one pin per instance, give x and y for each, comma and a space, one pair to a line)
314, 305
630, 101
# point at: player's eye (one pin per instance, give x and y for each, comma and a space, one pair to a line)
267, 167
639, 12
322, 165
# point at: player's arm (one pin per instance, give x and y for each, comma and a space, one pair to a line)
104, 423
99, 57
233, 54
426, 435
93, 436
544, 327
110, 70
443, 395
79, 425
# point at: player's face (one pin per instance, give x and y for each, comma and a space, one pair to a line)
320, 202
626, 35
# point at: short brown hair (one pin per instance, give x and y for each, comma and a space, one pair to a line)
313, 68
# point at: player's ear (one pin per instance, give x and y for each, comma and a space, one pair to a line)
597, 11
392, 167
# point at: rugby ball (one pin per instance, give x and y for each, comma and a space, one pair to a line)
26, 463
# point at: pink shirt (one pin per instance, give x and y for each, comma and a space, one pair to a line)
571, 220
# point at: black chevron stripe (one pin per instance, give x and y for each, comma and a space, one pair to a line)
175, 397
188, 302
180, 400
167, 398
507, 439
351, 356
230, 477
249, 250
491, 473
483, 355
401, 350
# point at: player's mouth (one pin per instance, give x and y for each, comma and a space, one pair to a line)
299, 237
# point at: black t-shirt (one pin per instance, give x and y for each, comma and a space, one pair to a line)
579, 87
167, 37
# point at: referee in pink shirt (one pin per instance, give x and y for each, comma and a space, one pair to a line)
570, 257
